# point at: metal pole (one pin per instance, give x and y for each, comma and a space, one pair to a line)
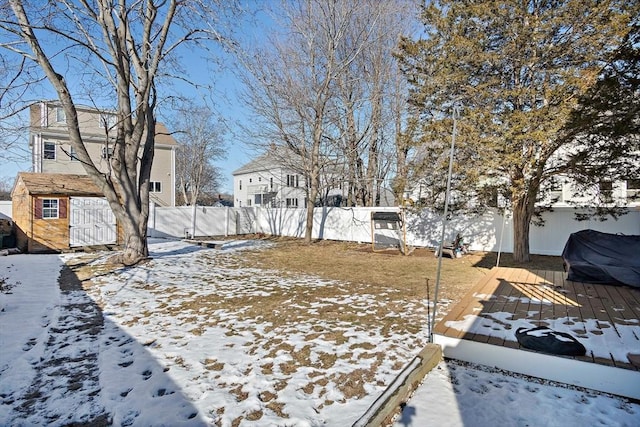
456, 112
504, 219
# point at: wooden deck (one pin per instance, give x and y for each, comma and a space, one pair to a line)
605, 319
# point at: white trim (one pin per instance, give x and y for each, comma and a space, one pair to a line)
50, 209
55, 150
623, 382
44, 117
36, 158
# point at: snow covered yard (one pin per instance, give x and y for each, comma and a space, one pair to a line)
197, 337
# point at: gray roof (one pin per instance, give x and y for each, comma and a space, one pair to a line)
262, 163
273, 159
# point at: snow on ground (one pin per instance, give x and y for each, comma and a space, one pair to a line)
458, 394
184, 340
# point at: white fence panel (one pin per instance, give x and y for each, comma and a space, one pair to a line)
551, 238
177, 221
281, 222
6, 208
424, 228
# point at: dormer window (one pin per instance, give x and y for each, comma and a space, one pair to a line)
61, 116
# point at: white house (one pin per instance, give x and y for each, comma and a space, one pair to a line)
274, 180
266, 181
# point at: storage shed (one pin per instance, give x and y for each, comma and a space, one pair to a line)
57, 212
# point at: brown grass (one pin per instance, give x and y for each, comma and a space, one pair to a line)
387, 271
387, 294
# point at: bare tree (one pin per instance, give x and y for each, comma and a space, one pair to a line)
290, 83
122, 47
200, 142
5, 188
368, 94
200, 137
321, 88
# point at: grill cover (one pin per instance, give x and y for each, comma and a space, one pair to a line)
594, 257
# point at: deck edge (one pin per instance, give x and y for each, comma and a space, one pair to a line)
621, 382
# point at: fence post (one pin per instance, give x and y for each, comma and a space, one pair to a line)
226, 221
152, 219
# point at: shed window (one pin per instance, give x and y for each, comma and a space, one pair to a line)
49, 208
49, 151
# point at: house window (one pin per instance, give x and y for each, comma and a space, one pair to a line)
248, 202
61, 116
259, 179
240, 185
271, 183
49, 208
292, 203
107, 152
250, 180
633, 189
49, 151
155, 187
606, 191
107, 121
555, 188
292, 181
72, 154
258, 199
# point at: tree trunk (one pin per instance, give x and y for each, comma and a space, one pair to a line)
314, 175
313, 193
522, 213
135, 240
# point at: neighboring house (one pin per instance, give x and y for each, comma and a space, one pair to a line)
273, 180
56, 212
265, 181
558, 192
562, 192
52, 152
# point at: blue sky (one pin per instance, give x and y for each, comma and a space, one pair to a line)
220, 76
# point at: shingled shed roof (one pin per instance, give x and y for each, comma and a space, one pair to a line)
54, 183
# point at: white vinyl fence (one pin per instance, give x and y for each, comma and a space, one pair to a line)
5, 208
423, 228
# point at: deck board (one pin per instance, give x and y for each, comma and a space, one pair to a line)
599, 316
468, 305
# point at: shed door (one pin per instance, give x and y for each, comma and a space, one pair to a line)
91, 222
